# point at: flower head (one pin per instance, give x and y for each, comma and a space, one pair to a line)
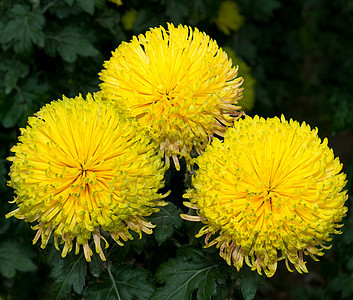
272, 190
79, 168
228, 17
179, 86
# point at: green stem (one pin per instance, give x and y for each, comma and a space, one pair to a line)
113, 282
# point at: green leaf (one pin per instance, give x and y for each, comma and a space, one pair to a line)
68, 272
96, 266
86, 5
25, 101
65, 10
11, 110
70, 2
166, 221
110, 19
24, 29
138, 244
123, 283
13, 70
68, 43
13, 257
191, 270
248, 283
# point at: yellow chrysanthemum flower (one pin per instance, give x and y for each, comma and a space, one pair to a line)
248, 100
128, 19
178, 84
79, 167
117, 2
228, 17
272, 190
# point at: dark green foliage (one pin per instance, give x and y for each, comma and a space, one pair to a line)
24, 29
248, 286
68, 273
192, 270
69, 42
301, 55
13, 258
249, 283
121, 282
96, 266
167, 220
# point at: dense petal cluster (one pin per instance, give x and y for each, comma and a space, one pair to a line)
80, 168
178, 84
272, 190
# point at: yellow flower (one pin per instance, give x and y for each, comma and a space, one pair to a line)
117, 2
79, 168
228, 17
178, 84
128, 19
272, 190
248, 99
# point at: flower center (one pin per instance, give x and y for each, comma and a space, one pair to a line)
86, 176
167, 99
268, 194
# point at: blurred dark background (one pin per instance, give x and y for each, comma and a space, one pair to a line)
296, 58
